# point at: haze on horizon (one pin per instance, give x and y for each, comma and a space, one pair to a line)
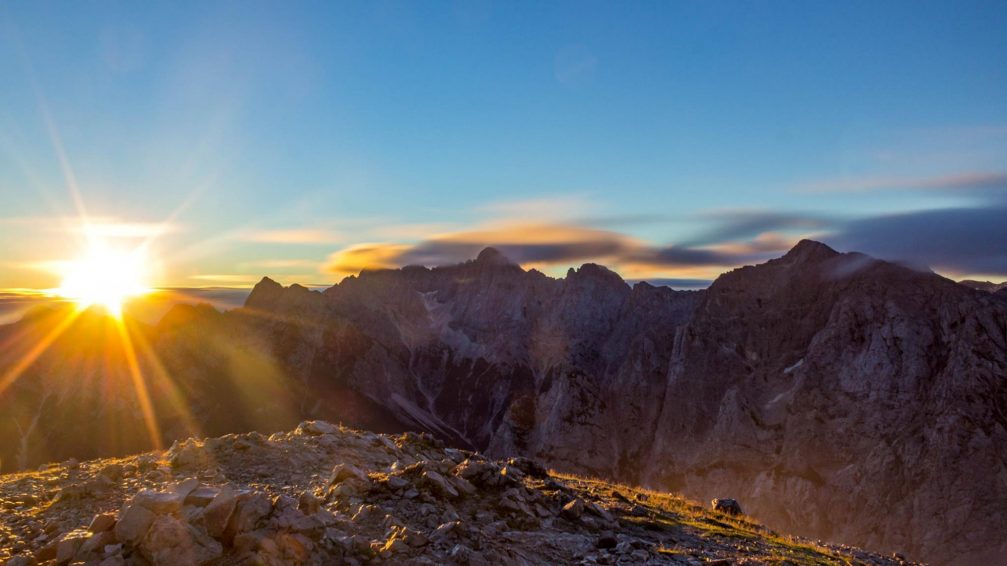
671, 142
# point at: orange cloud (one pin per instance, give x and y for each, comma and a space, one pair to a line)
354, 259
553, 247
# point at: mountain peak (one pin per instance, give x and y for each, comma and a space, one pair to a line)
265, 293
810, 250
492, 256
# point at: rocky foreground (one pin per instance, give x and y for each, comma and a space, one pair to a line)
324, 494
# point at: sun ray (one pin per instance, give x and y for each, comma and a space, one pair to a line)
164, 380
139, 385
37, 350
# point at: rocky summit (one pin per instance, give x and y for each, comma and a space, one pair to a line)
325, 494
832, 395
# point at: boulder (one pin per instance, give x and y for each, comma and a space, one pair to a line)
308, 503
573, 510
532, 468
249, 509
317, 428
439, 484
343, 472
69, 544
160, 502
134, 520
726, 506
201, 496
102, 522
218, 512
173, 542
189, 454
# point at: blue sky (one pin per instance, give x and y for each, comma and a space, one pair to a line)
671, 140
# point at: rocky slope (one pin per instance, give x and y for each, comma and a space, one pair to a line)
988, 286
837, 396
324, 494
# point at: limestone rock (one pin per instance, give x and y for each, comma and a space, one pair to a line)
173, 542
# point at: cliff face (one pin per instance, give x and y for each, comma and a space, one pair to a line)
836, 395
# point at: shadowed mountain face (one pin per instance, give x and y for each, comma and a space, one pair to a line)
835, 395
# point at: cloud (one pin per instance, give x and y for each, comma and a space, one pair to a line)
729, 225
545, 245
969, 181
354, 259
967, 240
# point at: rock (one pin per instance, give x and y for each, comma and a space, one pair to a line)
396, 482
201, 496
184, 488
47, 552
218, 512
97, 542
308, 504
439, 484
343, 472
102, 522
116, 560
726, 506
133, 523
20, 560
317, 428
69, 544
606, 540
173, 542
573, 510
249, 509
394, 546
113, 471
189, 454
532, 468
160, 502
463, 485
444, 530
640, 556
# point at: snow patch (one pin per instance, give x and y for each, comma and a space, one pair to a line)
790, 369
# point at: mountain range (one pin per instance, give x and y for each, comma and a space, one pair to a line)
835, 395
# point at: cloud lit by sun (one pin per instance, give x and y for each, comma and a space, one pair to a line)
106, 277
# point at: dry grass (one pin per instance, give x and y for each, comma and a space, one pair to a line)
681, 517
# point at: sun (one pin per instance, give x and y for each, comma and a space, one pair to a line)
105, 277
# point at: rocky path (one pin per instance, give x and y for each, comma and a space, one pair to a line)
323, 494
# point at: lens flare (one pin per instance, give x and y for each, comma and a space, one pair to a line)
106, 277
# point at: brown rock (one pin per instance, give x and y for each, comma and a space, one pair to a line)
160, 502
69, 544
218, 512
133, 523
308, 503
201, 496
102, 522
173, 542
97, 542
249, 509
573, 510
